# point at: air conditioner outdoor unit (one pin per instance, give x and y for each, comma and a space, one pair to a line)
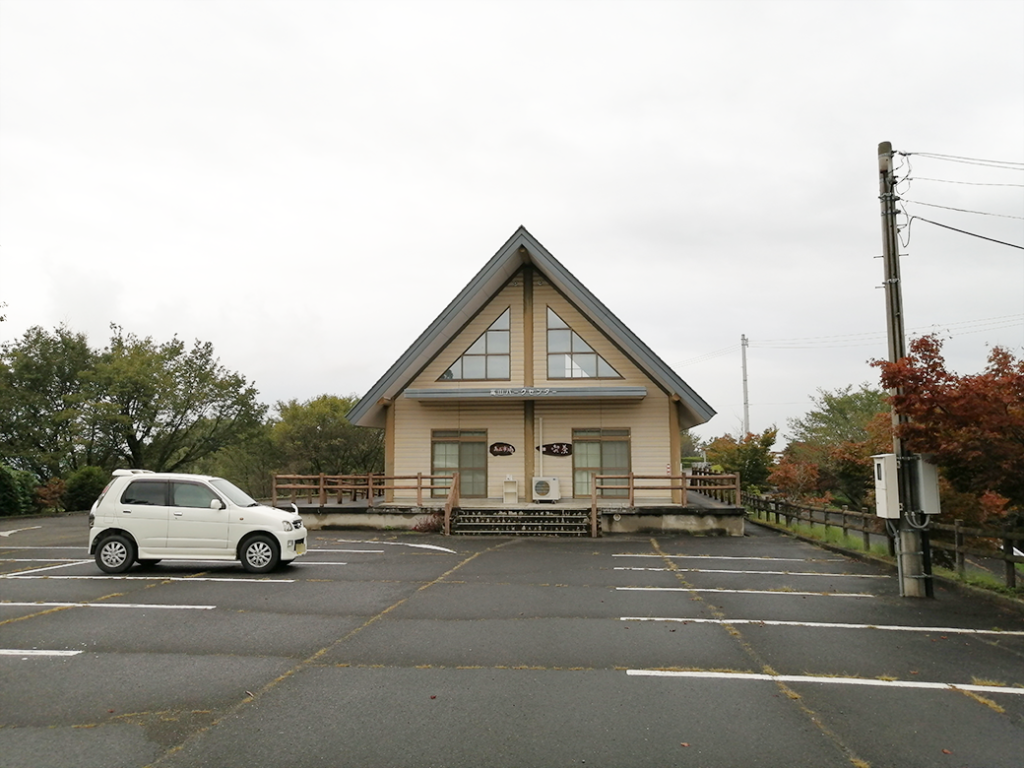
546, 489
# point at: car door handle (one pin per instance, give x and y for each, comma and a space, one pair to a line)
178, 514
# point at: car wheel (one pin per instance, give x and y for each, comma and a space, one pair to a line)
259, 554
115, 554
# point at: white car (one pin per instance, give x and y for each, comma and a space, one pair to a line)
146, 517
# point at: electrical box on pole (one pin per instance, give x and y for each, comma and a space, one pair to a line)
887, 487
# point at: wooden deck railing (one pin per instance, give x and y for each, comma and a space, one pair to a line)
724, 488
323, 487
451, 503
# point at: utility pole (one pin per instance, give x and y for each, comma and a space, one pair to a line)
911, 542
746, 399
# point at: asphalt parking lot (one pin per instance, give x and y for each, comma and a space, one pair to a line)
386, 649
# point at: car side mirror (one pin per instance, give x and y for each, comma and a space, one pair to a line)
217, 504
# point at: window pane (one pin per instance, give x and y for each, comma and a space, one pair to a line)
554, 321
446, 456
498, 367
497, 342
579, 345
558, 367
479, 346
581, 482
586, 365
587, 454
604, 370
473, 483
473, 367
191, 495
559, 341
472, 455
145, 493
615, 455
455, 372
501, 324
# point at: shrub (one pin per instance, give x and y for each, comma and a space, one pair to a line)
49, 497
83, 488
17, 490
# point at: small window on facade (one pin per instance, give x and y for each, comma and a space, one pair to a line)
600, 452
570, 357
488, 358
463, 451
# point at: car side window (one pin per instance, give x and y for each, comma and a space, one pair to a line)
145, 492
192, 495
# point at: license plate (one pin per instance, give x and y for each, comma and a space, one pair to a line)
300, 547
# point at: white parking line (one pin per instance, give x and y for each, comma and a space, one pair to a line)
319, 562
22, 574
34, 652
7, 533
828, 680
4, 604
39, 560
765, 573
737, 557
350, 551
399, 544
156, 578
745, 591
834, 625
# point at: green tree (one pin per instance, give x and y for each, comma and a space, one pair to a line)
41, 419
83, 487
17, 491
837, 438
751, 456
250, 464
314, 437
164, 407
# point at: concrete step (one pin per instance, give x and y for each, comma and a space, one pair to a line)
521, 523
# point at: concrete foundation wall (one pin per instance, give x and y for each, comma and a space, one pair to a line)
715, 525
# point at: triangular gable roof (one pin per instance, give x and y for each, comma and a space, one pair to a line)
522, 248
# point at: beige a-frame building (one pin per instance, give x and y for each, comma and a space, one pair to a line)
528, 386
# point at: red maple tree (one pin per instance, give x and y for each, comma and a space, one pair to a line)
973, 426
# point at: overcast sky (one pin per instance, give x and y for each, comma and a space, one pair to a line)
307, 184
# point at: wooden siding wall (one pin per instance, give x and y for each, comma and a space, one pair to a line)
649, 420
503, 422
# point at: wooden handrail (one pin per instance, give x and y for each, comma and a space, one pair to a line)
451, 503
370, 485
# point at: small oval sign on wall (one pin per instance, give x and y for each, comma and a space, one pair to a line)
502, 449
556, 449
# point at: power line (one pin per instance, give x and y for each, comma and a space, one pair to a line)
966, 183
964, 232
1009, 165
963, 210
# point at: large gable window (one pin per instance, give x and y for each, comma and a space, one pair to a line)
488, 357
570, 357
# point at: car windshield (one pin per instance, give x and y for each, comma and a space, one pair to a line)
237, 496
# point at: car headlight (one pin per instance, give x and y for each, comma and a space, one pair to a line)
287, 525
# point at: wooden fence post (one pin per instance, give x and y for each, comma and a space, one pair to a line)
958, 547
1011, 567
865, 532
